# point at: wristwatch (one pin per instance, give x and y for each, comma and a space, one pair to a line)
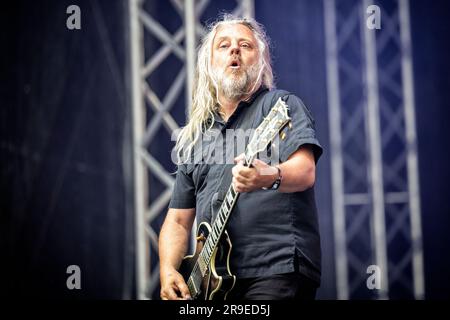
277, 182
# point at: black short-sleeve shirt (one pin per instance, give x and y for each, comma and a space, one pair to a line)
271, 232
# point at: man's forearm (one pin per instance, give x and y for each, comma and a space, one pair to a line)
173, 244
297, 175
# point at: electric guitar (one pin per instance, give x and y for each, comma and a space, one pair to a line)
207, 272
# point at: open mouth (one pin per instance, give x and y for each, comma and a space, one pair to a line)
235, 64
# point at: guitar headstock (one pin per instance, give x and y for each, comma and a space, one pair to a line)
266, 132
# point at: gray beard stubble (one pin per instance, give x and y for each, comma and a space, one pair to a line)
236, 87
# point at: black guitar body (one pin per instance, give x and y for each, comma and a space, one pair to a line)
218, 281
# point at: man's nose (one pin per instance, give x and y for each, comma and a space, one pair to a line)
235, 49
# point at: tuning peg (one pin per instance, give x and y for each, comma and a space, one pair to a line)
290, 124
283, 135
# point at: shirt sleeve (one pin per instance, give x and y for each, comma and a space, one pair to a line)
183, 195
302, 131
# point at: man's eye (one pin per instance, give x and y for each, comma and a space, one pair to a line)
245, 45
223, 46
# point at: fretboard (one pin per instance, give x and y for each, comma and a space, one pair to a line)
217, 228
218, 225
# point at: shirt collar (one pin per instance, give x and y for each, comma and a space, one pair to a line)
255, 95
243, 103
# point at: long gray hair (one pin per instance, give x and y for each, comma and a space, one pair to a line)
205, 91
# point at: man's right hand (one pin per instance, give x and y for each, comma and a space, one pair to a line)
173, 286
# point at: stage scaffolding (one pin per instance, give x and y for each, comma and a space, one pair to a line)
375, 187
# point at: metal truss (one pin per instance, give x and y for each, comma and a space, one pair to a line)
375, 187
182, 43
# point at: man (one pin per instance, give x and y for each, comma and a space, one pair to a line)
273, 226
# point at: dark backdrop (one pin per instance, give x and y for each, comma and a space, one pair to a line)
65, 150
65, 158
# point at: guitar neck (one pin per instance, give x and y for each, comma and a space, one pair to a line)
218, 226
